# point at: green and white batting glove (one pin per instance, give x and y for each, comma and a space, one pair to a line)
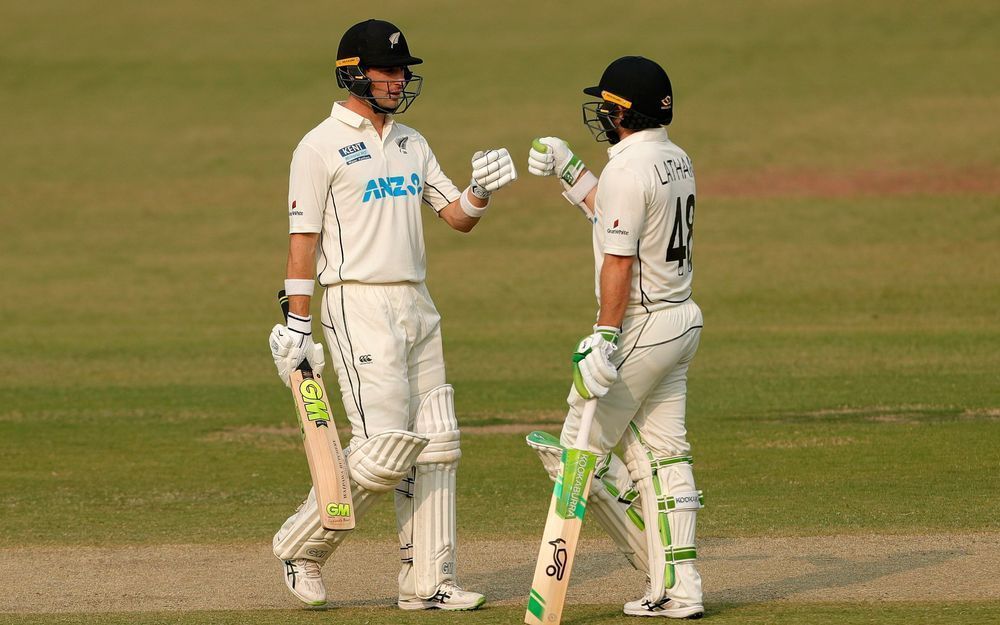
551, 156
593, 371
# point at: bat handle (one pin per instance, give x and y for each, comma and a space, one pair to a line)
304, 366
283, 303
586, 421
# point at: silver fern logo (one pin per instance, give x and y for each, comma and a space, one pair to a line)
393, 40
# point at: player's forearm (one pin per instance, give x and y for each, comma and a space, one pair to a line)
456, 217
616, 283
301, 266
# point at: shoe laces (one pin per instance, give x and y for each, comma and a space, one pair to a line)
310, 568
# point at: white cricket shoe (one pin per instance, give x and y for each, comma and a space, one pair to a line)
665, 607
449, 596
303, 578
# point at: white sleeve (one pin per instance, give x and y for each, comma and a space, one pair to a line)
308, 186
622, 202
439, 191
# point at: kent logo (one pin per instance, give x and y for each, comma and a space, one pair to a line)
354, 148
393, 186
312, 398
338, 509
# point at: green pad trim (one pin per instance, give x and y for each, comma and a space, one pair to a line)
543, 438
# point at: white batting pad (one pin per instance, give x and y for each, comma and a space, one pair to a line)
377, 464
669, 506
612, 502
432, 506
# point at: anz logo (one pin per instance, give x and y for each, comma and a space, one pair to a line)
393, 186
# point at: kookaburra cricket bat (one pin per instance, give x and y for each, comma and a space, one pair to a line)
327, 464
562, 528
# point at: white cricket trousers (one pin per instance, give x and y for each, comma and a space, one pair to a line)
653, 355
384, 342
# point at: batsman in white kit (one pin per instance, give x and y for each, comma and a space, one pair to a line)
356, 187
636, 360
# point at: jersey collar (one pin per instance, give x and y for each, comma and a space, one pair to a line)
354, 120
643, 136
347, 116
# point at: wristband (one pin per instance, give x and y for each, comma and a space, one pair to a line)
296, 286
578, 191
467, 206
301, 325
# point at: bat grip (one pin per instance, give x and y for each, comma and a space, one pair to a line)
283, 303
586, 421
304, 366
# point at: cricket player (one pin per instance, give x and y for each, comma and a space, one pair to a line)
356, 187
647, 331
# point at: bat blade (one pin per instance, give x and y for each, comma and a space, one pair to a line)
327, 464
562, 532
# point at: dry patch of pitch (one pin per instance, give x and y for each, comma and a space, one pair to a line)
863, 568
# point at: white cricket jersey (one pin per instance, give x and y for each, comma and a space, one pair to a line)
363, 193
645, 208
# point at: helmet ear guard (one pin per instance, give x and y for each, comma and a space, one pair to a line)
352, 77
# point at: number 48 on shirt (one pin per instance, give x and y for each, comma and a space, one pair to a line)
679, 249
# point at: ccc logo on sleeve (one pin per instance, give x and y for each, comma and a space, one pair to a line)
392, 186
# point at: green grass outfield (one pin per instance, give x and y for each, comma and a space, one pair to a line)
848, 223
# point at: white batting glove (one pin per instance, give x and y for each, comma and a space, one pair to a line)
593, 371
293, 343
491, 170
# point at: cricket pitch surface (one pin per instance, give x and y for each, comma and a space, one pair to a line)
851, 568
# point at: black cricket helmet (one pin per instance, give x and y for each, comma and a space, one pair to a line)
376, 43
634, 90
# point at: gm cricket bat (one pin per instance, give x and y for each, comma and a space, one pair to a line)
327, 464
562, 528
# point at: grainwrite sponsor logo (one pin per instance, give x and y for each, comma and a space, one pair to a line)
614, 229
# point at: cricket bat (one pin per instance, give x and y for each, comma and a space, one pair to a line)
562, 528
327, 464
